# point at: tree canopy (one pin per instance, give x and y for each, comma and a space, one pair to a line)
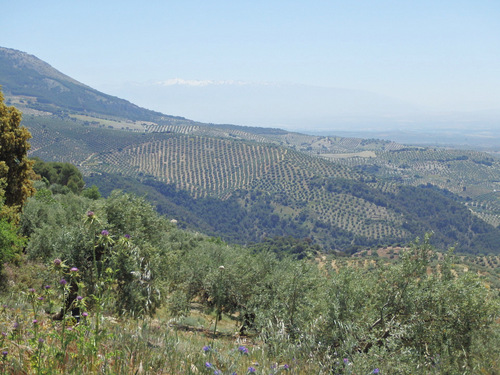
15, 167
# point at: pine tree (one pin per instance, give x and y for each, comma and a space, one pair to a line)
15, 167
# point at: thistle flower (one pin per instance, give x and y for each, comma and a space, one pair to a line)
35, 321
79, 298
243, 350
73, 269
63, 282
57, 262
127, 236
31, 290
90, 214
376, 371
85, 314
206, 348
251, 370
104, 233
41, 341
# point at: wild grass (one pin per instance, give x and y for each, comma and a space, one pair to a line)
33, 343
97, 342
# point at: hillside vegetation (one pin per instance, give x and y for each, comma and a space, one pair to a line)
245, 190
246, 184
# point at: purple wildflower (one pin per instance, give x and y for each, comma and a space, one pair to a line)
208, 365
40, 298
31, 290
79, 298
4, 353
35, 321
47, 287
90, 214
286, 367
251, 370
57, 262
63, 282
376, 371
127, 236
73, 269
243, 350
41, 341
346, 361
206, 348
105, 233
85, 314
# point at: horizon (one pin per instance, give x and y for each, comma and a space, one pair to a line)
320, 66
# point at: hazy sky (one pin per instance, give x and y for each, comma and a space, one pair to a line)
438, 55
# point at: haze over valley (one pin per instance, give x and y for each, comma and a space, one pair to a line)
422, 72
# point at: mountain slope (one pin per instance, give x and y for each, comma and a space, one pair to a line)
26, 75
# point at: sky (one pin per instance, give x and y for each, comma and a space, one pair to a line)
292, 64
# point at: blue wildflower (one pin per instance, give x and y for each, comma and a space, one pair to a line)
243, 350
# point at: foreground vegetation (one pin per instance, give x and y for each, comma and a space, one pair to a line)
136, 294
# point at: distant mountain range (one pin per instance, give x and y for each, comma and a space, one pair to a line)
267, 104
246, 184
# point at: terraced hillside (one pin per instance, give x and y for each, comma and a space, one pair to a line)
474, 176
268, 189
